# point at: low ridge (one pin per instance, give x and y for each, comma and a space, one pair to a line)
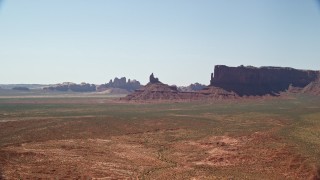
156, 90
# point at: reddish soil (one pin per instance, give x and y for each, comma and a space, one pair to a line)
131, 157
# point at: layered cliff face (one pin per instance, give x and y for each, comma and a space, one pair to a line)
260, 81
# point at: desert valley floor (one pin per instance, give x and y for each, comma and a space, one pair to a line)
101, 138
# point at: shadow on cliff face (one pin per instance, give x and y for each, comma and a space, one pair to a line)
253, 81
254, 90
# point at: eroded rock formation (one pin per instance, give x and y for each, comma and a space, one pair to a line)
155, 90
153, 80
192, 87
313, 87
121, 83
248, 80
212, 79
235, 82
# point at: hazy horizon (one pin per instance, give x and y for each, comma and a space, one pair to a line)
48, 42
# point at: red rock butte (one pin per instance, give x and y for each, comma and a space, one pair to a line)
235, 82
248, 80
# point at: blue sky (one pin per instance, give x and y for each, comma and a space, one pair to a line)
180, 41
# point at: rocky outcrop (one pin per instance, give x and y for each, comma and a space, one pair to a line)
212, 80
192, 87
248, 80
153, 80
155, 90
68, 86
313, 87
115, 86
235, 82
121, 83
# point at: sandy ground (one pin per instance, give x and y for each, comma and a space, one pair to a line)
87, 141
132, 157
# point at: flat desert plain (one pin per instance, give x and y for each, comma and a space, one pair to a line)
101, 138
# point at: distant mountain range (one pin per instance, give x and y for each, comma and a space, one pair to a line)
69, 86
29, 86
192, 87
115, 86
226, 81
121, 83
